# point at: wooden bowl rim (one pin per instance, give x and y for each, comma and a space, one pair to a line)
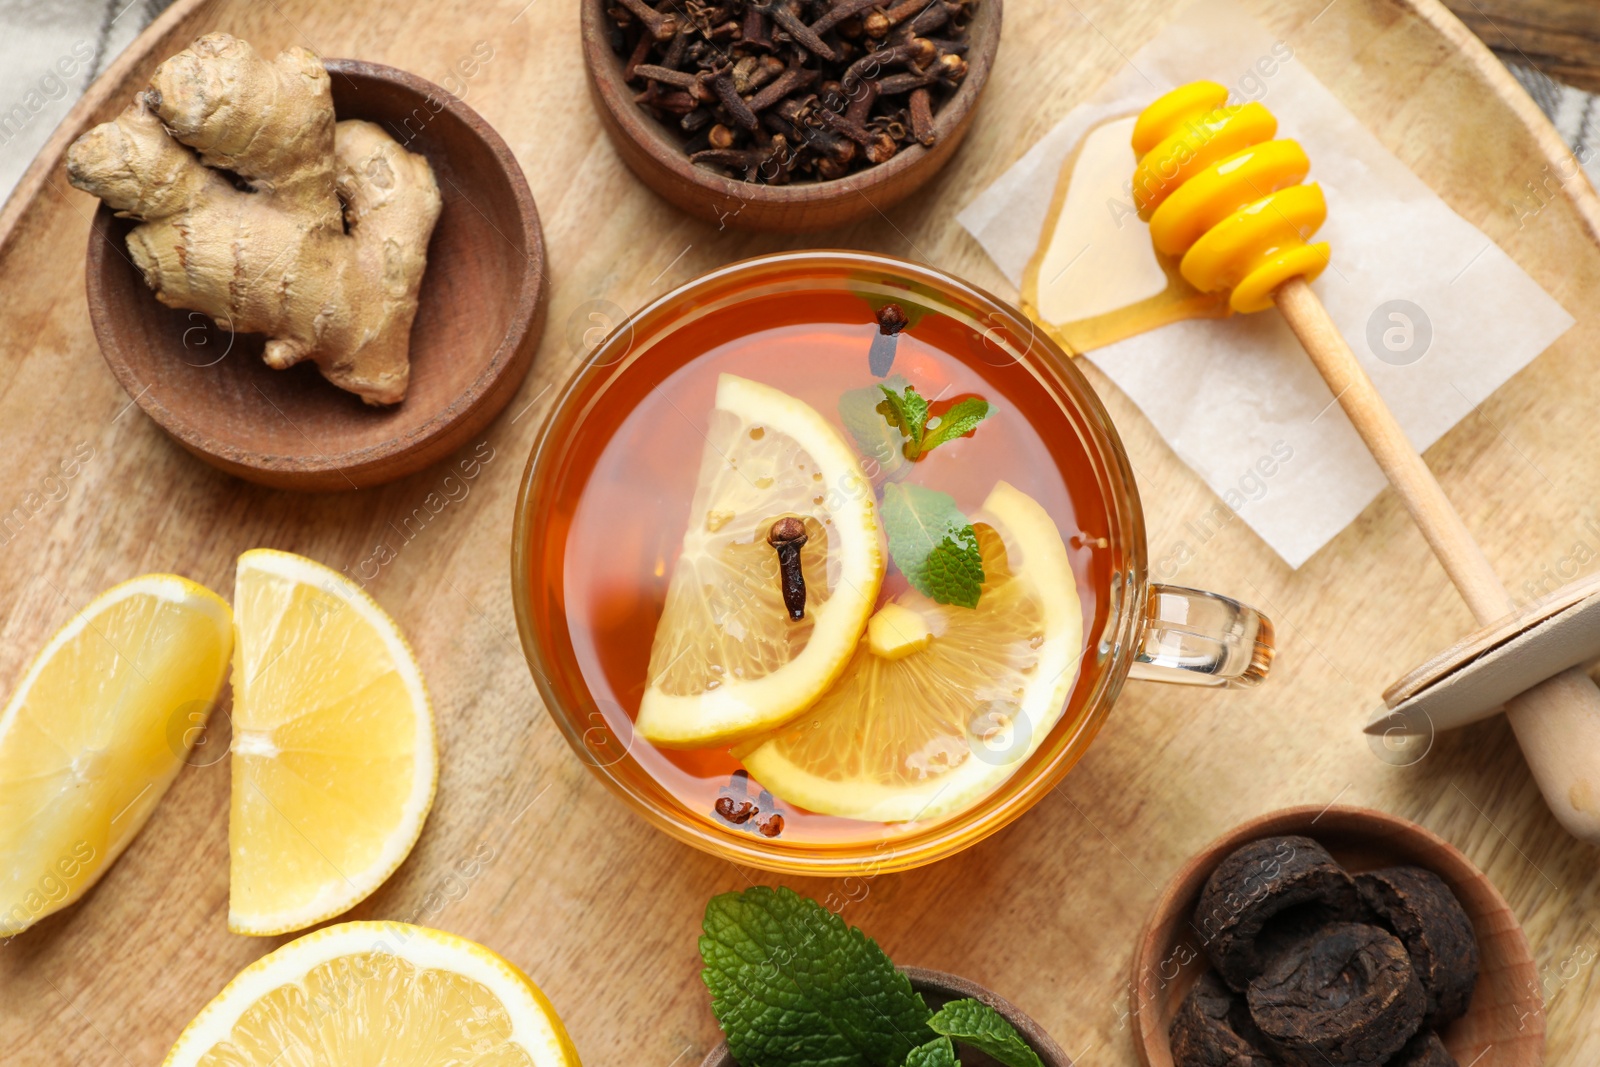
503, 358
1187, 881
605, 76
953, 987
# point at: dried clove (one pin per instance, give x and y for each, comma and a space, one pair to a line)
735, 807
737, 812
892, 318
922, 117
848, 84
737, 108
841, 11
788, 536
662, 27
785, 19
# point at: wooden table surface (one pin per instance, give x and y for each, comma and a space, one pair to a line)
525, 851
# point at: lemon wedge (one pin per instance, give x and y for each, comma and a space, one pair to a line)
942, 703
728, 662
97, 730
377, 993
333, 747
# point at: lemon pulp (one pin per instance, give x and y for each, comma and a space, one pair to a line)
333, 747
377, 993
919, 733
727, 661
96, 731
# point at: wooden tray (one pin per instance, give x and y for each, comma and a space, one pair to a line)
524, 850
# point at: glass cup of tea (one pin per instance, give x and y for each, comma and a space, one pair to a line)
828, 563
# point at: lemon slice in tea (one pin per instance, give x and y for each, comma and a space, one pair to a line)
728, 662
377, 993
941, 703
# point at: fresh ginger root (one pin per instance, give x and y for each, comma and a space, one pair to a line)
275, 259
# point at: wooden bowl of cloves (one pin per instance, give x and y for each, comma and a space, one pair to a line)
788, 115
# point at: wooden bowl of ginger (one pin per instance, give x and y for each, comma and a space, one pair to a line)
479, 317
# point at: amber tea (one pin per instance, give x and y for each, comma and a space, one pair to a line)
825, 558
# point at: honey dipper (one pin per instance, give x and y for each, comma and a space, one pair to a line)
1222, 194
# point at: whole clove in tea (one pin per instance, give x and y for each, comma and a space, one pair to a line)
778, 91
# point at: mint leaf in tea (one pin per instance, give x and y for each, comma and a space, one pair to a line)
879, 443
933, 544
906, 410
959, 421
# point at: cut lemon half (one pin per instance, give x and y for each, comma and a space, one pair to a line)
333, 750
728, 662
99, 727
377, 993
942, 703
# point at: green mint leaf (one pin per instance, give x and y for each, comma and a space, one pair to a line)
907, 412
904, 409
936, 1053
933, 544
974, 1023
793, 986
876, 440
960, 420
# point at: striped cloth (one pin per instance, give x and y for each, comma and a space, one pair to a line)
50, 50
1574, 113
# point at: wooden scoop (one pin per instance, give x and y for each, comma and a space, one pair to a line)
1217, 189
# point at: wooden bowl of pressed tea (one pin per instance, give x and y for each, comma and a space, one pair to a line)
1504, 1023
655, 152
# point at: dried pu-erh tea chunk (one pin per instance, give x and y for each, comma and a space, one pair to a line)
1213, 1028
1344, 996
1424, 1050
1420, 909
1293, 877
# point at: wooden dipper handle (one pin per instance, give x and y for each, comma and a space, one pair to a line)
1558, 721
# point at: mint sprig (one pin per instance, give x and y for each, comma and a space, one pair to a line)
974, 1023
936, 1053
908, 411
793, 986
933, 544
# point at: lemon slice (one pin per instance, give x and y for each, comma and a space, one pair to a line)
333, 752
377, 993
727, 660
96, 732
941, 704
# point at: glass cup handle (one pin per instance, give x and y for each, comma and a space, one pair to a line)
1196, 638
